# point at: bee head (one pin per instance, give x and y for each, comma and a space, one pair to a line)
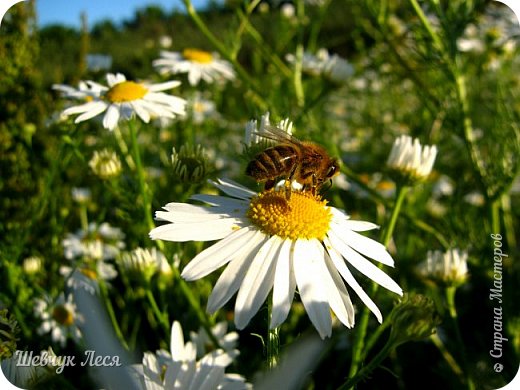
333, 169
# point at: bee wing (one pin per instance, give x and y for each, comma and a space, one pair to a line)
276, 134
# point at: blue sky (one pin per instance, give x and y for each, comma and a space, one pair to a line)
67, 12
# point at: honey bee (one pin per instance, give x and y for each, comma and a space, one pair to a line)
303, 161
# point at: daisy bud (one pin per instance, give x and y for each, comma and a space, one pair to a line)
105, 164
190, 165
410, 161
413, 318
142, 264
449, 268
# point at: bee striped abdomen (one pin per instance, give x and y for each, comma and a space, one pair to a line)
272, 163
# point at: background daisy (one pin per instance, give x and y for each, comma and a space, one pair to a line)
122, 99
198, 64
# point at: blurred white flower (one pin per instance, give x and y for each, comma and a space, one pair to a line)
199, 64
180, 369
165, 41
410, 159
122, 99
81, 195
60, 318
200, 109
32, 265
332, 67
449, 267
287, 10
474, 198
444, 186
98, 242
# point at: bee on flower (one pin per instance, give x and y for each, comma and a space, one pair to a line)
274, 243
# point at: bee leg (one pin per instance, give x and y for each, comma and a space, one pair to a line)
287, 185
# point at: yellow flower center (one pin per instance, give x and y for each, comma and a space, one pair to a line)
303, 215
62, 315
126, 91
196, 55
89, 273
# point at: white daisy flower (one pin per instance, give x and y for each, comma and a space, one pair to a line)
179, 369
122, 99
201, 109
409, 159
449, 267
60, 318
273, 243
332, 67
199, 64
99, 242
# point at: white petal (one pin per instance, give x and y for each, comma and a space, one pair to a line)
164, 86
207, 230
258, 282
80, 109
92, 112
340, 265
363, 265
364, 245
221, 253
111, 117
216, 200
314, 298
234, 189
141, 111
177, 342
232, 277
360, 226
151, 372
284, 284
337, 294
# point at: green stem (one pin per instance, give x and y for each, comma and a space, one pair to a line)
374, 337
362, 327
509, 226
111, 313
273, 341
448, 357
495, 215
162, 317
298, 64
389, 229
143, 188
450, 299
374, 363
